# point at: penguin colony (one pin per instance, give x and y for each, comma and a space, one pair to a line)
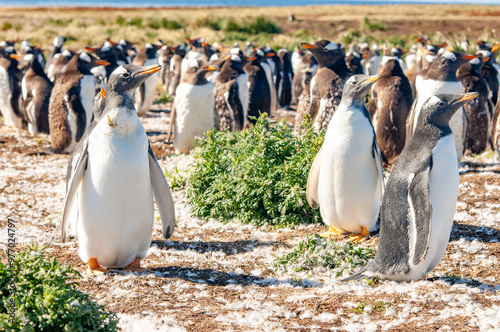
425, 112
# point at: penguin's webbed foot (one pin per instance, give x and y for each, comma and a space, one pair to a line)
94, 269
135, 266
360, 237
330, 232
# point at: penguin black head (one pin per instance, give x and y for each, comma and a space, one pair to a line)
452, 59
324, 51
439, 109
125, 79
357, 86
29, 61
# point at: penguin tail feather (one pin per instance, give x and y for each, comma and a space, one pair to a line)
356, 276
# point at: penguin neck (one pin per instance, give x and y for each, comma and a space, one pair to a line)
358, 104
116, 100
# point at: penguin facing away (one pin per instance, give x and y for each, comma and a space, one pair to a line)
389, 107
116, 168
10, 89
193, 108
36, 88
258, 86
420, 197
346, 179
478, 110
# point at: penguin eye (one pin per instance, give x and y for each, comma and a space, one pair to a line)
126, 75
441, 104
354, 82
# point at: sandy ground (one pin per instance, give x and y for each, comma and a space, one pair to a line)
211, 276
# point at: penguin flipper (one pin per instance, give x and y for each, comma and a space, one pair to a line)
74, 185
75, 105
420, 219
162, 196
313, 180
377, 158
410, 121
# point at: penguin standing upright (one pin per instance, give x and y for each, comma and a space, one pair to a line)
112, 179
389, 107
144, 95
480, 109
71, 103
491, 70
353, 62
165, 54
346, 179
297, 55
286, 78
258, 87
328, 81
56, 50
10, 89
420, 197
441, 77
58, 65
193, 108
37, 89
371, 60
174, 76
302, 77
231, 95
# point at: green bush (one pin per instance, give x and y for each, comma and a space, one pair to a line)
257, 175
316, 251
46, 298
368, 25
250, 25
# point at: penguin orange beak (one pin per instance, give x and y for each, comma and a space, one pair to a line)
364, 56
102, 94
251, 59
102, 63
486, 59
419, 39
469, 56
211, 68
150, 69
308, 46
204, 43
91, 49
15, 56
373, 78
270, 55
494, 48
468, 96
442, 45
421, 49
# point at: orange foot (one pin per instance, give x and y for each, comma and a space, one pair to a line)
135, 266
360, 237
94, 269
330, 232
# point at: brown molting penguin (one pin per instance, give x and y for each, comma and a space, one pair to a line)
328, 81
389, 107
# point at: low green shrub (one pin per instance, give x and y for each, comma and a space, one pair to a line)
316, 251
46, 298
256, 176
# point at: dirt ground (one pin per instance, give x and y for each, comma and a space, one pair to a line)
218, 277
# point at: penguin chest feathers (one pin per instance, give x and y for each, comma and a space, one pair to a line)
122, 122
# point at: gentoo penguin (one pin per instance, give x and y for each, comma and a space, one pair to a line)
286, 77
491, 70
175, 69
411, 59
57, 49
10, 89
441, 77
420, 197
426, 56
258, 87
297, 55
113, 177
27, 48
389, 107
353, 62
346, 179
37, 89
398, 52
274, 63
58, 65
193, 108
200, 49
269, 70
71, 103
328, 81
302, 76
371, 60
480, 109
231, 95
165, 54
144, 95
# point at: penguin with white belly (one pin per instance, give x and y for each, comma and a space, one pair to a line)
193, 108
420, 197
113, 177
346, 179
144, 95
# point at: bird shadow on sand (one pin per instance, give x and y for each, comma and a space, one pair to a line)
470, 232
470, 282
217, 278
229, 248
473, 167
